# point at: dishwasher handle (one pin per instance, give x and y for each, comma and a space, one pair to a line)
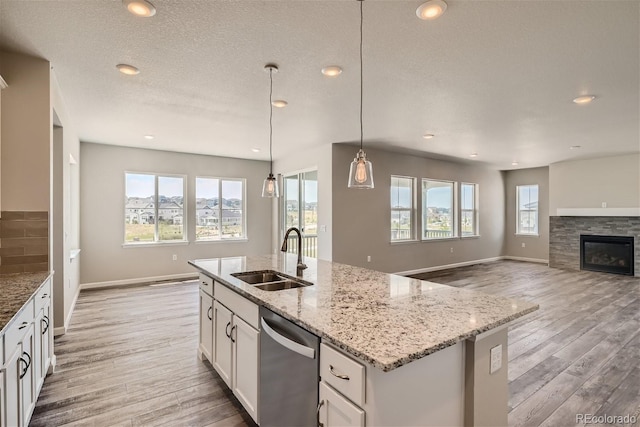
286, 342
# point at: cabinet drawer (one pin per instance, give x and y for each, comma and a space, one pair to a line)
19, 327
241, 306
335, 410
206, 284
343, 373
43, 296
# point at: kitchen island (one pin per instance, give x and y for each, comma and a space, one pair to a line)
399, 328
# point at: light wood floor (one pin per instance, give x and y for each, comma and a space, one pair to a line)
129, 357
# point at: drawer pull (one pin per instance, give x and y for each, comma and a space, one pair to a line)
24, 325
318, 413
44, 296
341, 376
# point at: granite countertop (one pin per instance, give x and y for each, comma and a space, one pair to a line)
15, 291
383, 319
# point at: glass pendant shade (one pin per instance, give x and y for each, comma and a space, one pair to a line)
270, 187
361, 172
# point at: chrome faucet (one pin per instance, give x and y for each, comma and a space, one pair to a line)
300, 266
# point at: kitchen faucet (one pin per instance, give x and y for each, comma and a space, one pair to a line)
300, 266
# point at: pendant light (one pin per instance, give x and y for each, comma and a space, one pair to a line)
361, 171
270, 186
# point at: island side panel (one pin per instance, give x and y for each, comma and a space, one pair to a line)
486, 394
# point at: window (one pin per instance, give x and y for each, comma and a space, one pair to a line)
220, 212
300, 209
149, 197
527, 209
402, 208
468, 209
438, 219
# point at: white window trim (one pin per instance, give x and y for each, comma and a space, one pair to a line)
537, 211
476, 210
244, 237
454, 208
411, 210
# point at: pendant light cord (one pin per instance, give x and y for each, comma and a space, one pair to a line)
270, 121
361, 132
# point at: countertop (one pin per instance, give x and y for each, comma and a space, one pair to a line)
383, 319
15, 291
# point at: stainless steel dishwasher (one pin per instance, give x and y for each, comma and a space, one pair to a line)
289, 372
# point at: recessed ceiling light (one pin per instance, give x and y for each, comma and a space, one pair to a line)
473, 155
332, 71
140, 8
127, 69
584, 99
431, 9
514, 163
428, 136
575, 147
255, 150
149, 137
279, 103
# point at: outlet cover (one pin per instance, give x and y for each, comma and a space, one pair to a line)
496, 358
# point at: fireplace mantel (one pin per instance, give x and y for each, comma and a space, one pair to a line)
598, 212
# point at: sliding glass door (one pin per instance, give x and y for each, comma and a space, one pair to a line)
300, 209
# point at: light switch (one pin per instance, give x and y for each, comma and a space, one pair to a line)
496, 358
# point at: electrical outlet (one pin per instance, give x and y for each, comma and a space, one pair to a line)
451, 250
175, 257
368, 258
523, 244
604, 204
496, 358
323, 228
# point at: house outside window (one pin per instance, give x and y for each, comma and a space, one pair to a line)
402, 208
527, 210
154, 208
469, 209
220, 211
438, 209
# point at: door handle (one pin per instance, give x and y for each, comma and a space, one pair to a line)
209, 313
286, 342
45, 319
226, 330
318, 413
231, 334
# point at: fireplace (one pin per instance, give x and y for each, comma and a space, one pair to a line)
609, 254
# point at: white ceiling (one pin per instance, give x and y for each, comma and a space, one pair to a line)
492, 77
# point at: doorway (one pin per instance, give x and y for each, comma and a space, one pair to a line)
300, 209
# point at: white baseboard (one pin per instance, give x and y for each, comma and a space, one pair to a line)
448, 266
518, 258
61, 330
136, 281
468, 263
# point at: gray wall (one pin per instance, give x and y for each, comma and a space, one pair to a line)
104, 259
587, 183
361, 218
536, 247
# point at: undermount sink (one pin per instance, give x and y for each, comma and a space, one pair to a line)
270, 280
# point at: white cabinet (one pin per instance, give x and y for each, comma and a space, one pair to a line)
246, 343
336, 410
12, 401
43, 336
222, 319
2, 408
206, 326
27, 376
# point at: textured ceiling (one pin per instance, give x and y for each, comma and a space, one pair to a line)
491, 77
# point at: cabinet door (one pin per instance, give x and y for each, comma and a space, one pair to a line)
206, 325
336, 410
222, 351
12, 393
46, 337
2, 406
245, 367
27, 377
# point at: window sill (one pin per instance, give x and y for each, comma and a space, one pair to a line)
151, 244
403, 242
475, 236
527, 235
203, 241
441, 239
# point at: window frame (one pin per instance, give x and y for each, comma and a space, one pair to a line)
156, 202
454, 210
411, 210
244, 236
475, 210
519, 231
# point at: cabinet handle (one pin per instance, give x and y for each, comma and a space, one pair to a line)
209, 312
318, 413
44, 296
45, 319
341, 376
27, 364
24, 325
231, 334
226, 330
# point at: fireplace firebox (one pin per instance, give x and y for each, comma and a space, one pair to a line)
609, 254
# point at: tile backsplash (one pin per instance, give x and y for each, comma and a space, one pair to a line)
24, 241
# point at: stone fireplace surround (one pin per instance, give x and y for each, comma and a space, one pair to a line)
565, 231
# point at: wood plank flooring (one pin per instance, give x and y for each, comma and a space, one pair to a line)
129, 356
